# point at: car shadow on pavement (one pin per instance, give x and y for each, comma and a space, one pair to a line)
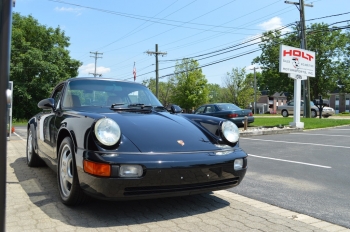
40, 184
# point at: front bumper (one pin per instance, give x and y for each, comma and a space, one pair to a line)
327, 113
165, 175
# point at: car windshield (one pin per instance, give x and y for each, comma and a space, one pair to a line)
105, 93
228, 107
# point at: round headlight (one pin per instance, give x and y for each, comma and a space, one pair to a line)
230, 131
107, 131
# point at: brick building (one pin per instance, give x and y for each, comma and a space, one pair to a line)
340, 102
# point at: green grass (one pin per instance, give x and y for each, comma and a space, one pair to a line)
309, 123
19, 122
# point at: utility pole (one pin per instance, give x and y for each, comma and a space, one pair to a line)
5, 97
96, 57
156, 53
307, 109
255, 88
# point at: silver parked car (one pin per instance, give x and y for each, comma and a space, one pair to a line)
288, 109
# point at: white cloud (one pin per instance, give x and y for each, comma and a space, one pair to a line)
272, 24
76, 11
250, 68
90, 68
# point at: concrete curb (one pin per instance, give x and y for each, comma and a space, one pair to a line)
269, 131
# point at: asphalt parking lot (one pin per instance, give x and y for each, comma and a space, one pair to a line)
33, 204
307, 172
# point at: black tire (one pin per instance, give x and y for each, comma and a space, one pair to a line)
313, 114
67, 177
326, 116
285, 113
33, 159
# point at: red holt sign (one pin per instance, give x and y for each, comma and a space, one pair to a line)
297, 61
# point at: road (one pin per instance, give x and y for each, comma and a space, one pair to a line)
306, 172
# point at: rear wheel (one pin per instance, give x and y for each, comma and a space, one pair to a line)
68, 183
33, 159
285, 113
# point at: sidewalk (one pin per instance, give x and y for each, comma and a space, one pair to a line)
33, 204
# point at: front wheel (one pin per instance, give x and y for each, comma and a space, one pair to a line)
68, 183
313, 114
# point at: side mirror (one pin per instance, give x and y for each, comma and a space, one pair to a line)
175, 109
48, 103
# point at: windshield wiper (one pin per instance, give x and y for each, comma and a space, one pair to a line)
141, 105
116, 104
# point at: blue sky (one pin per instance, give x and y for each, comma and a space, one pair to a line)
123, 30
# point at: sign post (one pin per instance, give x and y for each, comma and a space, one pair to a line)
299, 64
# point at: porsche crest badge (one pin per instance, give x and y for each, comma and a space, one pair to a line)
180, 142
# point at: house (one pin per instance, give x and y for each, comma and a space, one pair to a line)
269, 103
340, 102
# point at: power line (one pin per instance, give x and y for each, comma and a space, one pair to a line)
241, 54
328, 16
158, 20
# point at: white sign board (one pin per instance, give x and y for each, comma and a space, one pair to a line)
297, 61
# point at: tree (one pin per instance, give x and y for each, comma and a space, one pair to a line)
164, 89
329, 44
215, 93
240, 88
190, 85
39, 61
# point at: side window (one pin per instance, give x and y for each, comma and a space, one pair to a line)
200, 110
209, 109
291, 103
57, 94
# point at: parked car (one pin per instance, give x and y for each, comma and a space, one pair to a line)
114, 140
288, 109
226, 111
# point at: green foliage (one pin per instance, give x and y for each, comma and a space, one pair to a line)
330, 47
190, 85
39, 61
164, 89
216, 93
239, 88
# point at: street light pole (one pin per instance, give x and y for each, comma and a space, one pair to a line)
5, 41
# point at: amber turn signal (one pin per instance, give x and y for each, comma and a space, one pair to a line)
97, 169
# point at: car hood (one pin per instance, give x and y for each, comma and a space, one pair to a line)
161, 132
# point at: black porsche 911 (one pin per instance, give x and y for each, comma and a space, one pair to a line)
114, 140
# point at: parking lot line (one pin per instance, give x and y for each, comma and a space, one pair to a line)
18, 136
320, 134
289, 161
313, 144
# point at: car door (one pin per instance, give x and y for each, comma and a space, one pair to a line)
46, 128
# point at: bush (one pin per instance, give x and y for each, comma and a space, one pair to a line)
345, 112
267, 112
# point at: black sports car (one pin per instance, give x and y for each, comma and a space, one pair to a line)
226, 111
114, 140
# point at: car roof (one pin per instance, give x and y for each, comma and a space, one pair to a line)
94, 78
